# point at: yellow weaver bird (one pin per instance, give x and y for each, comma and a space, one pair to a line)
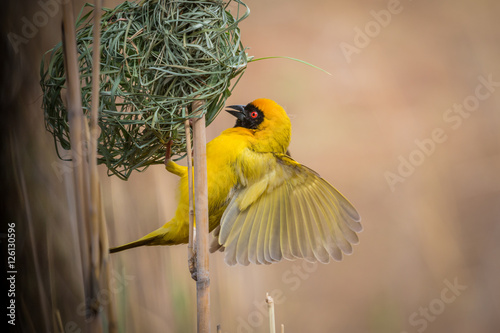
263, 206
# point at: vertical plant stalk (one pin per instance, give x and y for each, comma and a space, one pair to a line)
192, 231
270, 307
89, 218
75, 119
201, 213
94, 114
96, 257
99, 234
112, 321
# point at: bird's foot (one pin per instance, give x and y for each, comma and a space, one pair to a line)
192, 265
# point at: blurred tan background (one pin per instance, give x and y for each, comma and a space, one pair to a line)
428, 259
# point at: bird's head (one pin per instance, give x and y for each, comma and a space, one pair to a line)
266, 119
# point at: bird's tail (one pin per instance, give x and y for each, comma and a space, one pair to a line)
158, 237
137, 243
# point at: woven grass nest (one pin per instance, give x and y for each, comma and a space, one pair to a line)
157, 57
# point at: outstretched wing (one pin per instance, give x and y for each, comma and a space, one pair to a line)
288, 212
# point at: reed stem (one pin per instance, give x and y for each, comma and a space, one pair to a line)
192, 235
270, 307
75, 115
201, 213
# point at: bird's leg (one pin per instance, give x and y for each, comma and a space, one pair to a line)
168, 151
170, 165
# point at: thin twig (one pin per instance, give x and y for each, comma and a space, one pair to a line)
270, 306
192, 231
201, 213
92, 179
92, 147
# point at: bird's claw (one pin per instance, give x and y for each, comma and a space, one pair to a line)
192, 266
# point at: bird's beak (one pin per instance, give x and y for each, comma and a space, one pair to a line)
237, 110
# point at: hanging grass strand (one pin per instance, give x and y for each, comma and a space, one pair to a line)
157, 57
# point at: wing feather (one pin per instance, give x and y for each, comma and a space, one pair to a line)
317, 230
285, 226
288, 212
261, 244
230, 217
296, 243
244, 239
270, 226
330, 241
256, 222
334, 225
344, 207
233, 239
309, 236
275, 249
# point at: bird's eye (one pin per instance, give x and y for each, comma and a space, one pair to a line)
254, 114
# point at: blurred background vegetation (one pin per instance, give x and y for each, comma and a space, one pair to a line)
438, 227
